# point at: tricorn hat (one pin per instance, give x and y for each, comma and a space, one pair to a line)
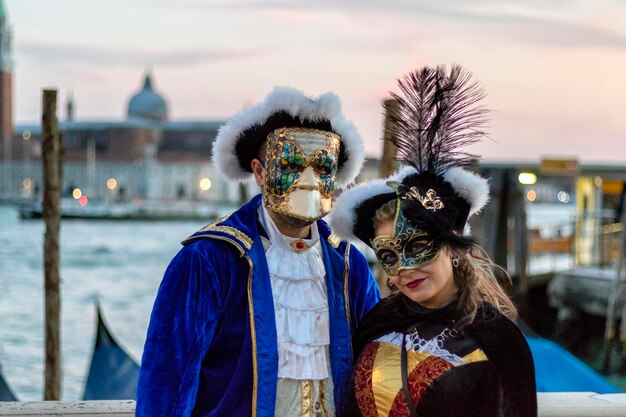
438, 113
238, 141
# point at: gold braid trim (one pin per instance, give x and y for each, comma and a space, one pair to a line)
322, 398
227, 230
255, 375
306, 399
334, 240
346, 291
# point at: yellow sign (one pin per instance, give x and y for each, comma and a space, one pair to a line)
560, 166
612, 187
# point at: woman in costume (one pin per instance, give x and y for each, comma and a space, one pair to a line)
443, 344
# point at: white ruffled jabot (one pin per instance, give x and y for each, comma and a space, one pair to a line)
300, 304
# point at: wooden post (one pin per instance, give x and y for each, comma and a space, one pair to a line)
388, 166
496, 217
388, 162
243, 194
520, 237
619, 280
51, 149
618, 292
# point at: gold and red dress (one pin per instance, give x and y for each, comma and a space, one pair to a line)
449, 372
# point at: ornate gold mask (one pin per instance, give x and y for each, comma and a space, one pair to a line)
301, 165
410, 247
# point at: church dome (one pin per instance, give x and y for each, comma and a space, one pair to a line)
147, 104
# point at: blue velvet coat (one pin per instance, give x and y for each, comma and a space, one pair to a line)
211, 346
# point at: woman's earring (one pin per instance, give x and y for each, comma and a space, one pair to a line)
455, 260
390, 285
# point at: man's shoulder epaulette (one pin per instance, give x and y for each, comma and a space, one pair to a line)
341, 246
334, 240
219, 230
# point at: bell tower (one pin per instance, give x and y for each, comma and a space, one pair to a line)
6, 99
6, 80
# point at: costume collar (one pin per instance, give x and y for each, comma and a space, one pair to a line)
397, 313
277, 238
241, 227
411, 308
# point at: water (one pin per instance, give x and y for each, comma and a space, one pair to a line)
119, 263
551, 219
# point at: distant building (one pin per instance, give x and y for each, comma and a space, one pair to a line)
145, 156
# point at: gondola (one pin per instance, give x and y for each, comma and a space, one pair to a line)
113, 373
5, 392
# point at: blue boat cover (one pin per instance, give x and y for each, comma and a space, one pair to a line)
5, 392
557, 370
113, 373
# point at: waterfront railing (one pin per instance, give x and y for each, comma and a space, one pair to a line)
554, 404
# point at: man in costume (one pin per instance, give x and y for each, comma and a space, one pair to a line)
255, 314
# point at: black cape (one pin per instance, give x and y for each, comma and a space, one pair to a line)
513, 388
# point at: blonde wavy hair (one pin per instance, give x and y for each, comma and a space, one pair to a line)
476, 276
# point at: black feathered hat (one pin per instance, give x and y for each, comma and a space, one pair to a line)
439, 112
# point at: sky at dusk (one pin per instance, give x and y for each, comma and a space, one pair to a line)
554, 71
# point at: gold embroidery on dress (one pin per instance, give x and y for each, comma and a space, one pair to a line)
476, 356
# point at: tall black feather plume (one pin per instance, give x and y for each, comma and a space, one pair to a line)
437, 114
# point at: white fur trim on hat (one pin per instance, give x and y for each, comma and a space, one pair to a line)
294, 102
471, 187
343, 216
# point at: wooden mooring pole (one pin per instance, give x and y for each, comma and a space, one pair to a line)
388, 164
617, 300
52, 167
618, 278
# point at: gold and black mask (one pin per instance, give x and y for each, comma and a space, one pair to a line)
409, 247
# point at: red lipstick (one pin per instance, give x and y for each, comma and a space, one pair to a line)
415, 283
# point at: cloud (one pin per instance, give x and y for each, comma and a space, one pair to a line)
100, 56
547, 31
551, 24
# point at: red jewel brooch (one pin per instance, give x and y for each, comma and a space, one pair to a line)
299, 245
